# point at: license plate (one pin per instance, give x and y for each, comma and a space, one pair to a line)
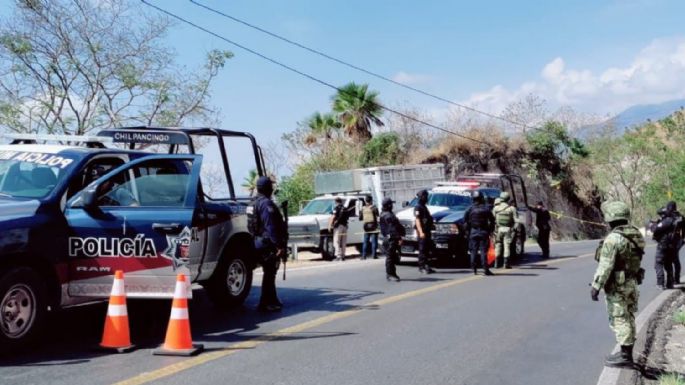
441, 246
407, 249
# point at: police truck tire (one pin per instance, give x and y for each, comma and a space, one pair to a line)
231, 282
327, 248
519, 244
23, 308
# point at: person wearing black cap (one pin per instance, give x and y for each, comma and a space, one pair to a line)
266, 224
392, 231
542, 219
669, 235
338, 225
424, 227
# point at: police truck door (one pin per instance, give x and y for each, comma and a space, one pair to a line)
139, 218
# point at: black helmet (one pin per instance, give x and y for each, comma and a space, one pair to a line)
368, 199
477, 196
423, 196
265, 185
387, 203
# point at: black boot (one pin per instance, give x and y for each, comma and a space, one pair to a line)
507, 265
392, 277
622, 358
475, 271
488, 272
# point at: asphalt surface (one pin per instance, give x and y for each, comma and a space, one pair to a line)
345, 324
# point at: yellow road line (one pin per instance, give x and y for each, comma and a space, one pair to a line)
254, 342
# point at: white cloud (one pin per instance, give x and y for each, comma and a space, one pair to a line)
655, 74
411, 79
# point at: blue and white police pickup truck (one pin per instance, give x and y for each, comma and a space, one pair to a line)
71, 215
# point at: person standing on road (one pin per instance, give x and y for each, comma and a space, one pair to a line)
505, 218
424, 228
338, 224
542, 219
668, 234
369, 217
480, 223
266, 224
619, 274
392, 231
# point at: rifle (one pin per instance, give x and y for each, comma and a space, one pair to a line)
284, 208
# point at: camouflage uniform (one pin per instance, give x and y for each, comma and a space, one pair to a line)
619, 257
505, 218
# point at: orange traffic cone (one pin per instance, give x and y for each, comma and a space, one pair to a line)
491, 253
178, 341
116, 335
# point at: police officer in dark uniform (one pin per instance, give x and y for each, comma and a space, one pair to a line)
266, 223
542, 219
424, 227
392, 232
668, 234
480, 222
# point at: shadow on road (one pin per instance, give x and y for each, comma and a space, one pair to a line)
76, 332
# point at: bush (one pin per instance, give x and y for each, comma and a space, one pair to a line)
679, 317
671, 379
382, 150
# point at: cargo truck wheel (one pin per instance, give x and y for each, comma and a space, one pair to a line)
23, 308
327, 248
231, 282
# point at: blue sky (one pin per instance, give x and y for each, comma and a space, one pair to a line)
597, 56
472, 52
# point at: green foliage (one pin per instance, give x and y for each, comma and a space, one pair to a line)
297, 188
382, 150
552, 140
250, 181
358, 110
671, 379
679, 317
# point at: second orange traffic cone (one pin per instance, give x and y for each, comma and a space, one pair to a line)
178, 341
116, 335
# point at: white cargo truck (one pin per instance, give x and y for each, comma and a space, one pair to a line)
309, 229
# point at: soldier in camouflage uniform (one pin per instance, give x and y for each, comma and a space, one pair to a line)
505, 217
619, 274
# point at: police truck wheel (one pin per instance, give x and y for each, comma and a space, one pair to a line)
519, 245
231, 282
23, 308
327, 248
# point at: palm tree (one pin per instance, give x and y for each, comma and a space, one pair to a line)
358, 109
321, 125
250, 181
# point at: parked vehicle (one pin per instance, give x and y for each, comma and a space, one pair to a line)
309, 229
448, 202
71, 215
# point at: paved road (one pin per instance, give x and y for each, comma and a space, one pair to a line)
345, 324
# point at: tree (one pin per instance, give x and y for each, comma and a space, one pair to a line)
250, 182
358, 110
322, 126
72, 66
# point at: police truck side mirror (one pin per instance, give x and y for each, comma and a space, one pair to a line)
405, 203
89, 199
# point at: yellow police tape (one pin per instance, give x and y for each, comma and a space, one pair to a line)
559, 215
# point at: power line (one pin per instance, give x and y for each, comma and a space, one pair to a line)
303, 74
358, 68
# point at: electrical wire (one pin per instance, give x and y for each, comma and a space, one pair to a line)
358, 68
306, 75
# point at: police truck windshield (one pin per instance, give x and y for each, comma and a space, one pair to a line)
318, 206
31, 179
445, 200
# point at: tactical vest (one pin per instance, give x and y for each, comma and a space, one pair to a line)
627, 262
253, 222
478, 217
504, 216
369, 216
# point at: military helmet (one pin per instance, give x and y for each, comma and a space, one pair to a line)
615, 211
264, 185
504, 196
498, 201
